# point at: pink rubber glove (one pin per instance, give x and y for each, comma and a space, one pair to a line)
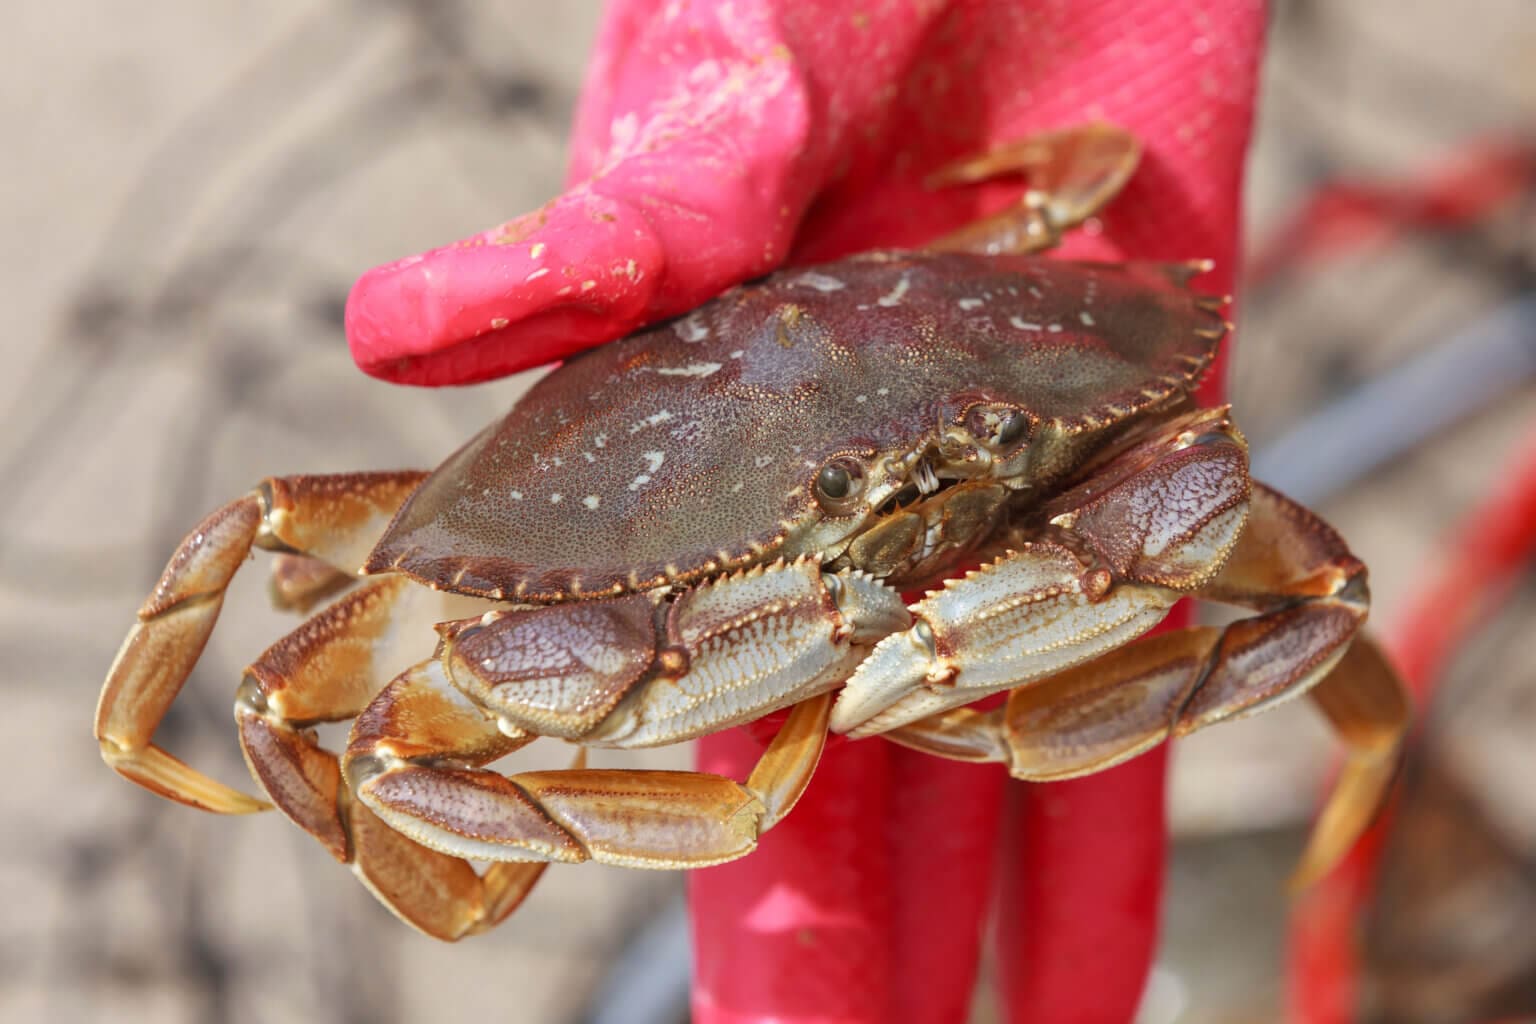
715, 142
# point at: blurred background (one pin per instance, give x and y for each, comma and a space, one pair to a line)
190, 190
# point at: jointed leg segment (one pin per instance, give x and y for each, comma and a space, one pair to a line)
332, 518
416, 799
1312, 600
326, 670
1073, 174
416, 760
1112, 557
438, 893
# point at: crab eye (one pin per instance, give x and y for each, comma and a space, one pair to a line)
839, 482
1012, 430
998, 427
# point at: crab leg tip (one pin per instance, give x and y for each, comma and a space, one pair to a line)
166, 776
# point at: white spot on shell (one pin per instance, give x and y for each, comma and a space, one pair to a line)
589, 456
591, 501
653, 461
736, 487
1085, 318
821, 282
861, 399
516, 495
894, 296
970, 304
1022, 324
600, 441
691, 328
1054, 328
738, 353
654, 419
536, 250
691, 370
498, 322
556, 498
762, 460
537, 274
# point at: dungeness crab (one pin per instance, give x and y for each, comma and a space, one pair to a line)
715, 518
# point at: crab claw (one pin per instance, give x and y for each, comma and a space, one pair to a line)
896, 667
1028, 615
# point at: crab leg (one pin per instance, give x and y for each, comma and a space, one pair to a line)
1150, 526
328, 670
299, 582
622, 672
1073, 173
333, 518
415, 759
324, 671
1312, 598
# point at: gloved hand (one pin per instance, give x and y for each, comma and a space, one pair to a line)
717, 141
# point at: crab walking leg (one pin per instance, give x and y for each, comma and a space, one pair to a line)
622, 672
1312, 598
1153, 524
334, 518
1291, 561
296, 682
441, 895
328, 670
421, 774
1073, 173
299, 582
1368, 706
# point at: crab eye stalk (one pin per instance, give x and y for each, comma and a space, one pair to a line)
839, 483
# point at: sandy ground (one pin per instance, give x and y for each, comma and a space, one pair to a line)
189, 192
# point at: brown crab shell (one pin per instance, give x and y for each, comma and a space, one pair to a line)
690, 448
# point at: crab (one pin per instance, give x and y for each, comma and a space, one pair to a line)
715, 519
